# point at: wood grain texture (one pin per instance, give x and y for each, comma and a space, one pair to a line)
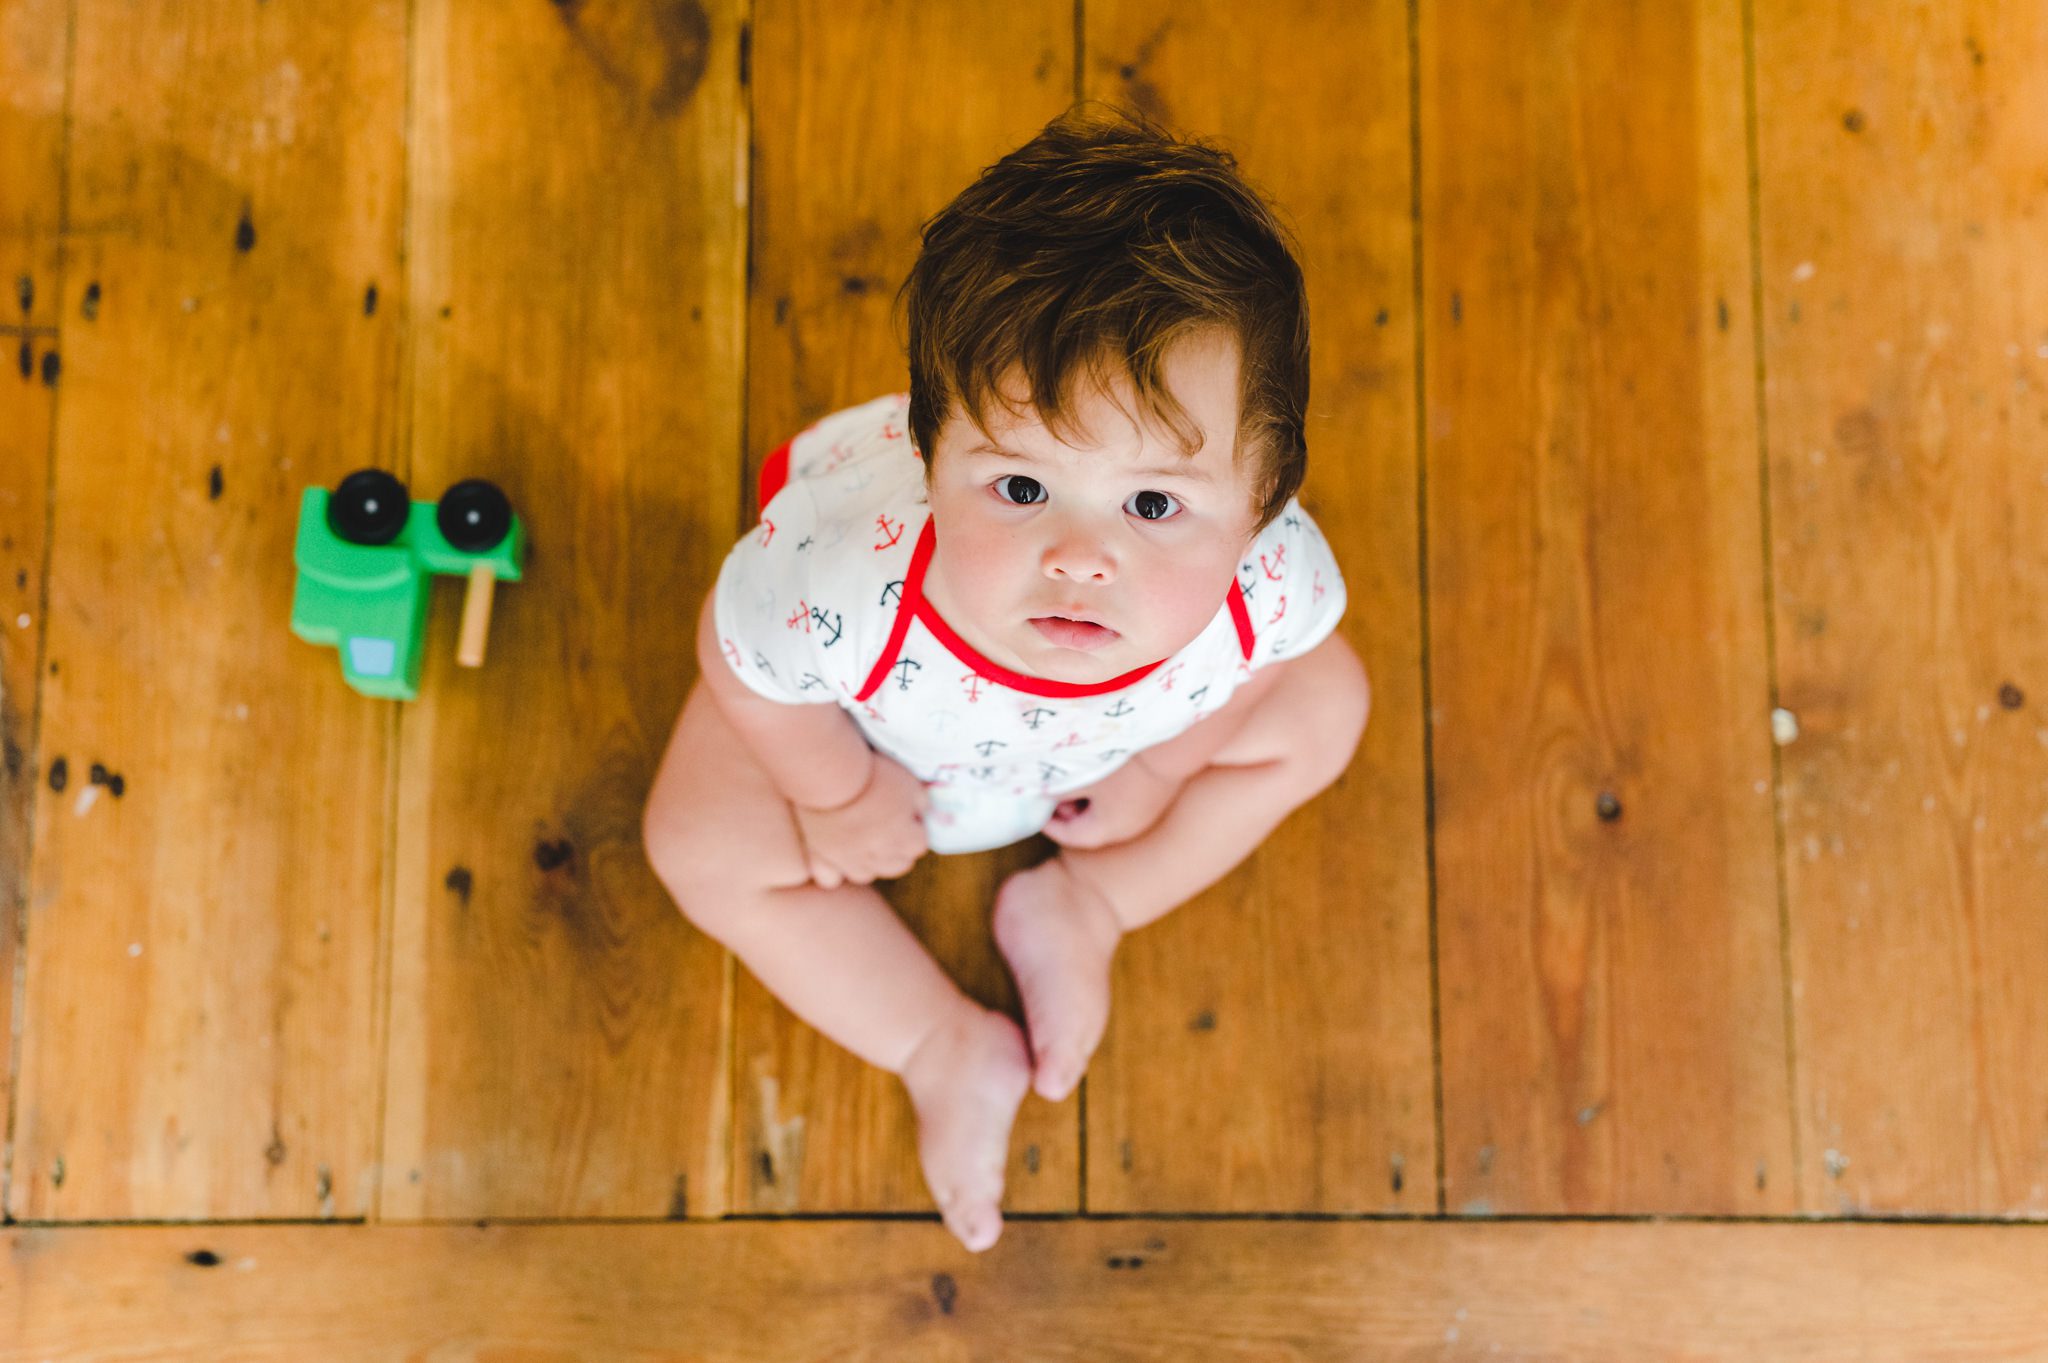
33, 51
201, 1019
1903, 204
1137, 1290
1269, 1042
1613, 1016
577, 223
868, 121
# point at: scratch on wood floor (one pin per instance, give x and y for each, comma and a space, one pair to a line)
779, 1161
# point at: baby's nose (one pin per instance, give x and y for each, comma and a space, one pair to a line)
1079, 558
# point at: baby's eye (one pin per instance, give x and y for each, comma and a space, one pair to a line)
1151, 505
1002, 482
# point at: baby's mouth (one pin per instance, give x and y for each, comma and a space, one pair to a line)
1067, 633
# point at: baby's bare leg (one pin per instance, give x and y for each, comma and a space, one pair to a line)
1058, 923
1295, 742
724, 842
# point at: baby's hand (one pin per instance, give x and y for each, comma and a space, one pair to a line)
878, 834
1115, 809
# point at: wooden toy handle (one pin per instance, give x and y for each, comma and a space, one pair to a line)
476, 615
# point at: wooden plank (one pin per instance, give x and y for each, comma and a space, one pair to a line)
1136, 1289
1269, 1042
868, 121
201, 1009
1608, 924
32, 73
1906, 343
577, 219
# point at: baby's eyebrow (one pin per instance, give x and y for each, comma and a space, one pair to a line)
1188, 473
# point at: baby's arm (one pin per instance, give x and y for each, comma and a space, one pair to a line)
815, 755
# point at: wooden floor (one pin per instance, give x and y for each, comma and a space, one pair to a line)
1678, 419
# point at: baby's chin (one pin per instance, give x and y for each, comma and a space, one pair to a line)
1083, 666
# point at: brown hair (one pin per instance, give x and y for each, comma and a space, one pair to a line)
1105, 240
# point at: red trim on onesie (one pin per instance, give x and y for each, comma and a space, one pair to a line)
774, 473
1242, 618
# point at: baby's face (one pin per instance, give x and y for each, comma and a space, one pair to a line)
1129, 533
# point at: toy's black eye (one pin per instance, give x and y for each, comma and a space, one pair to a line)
1153, 506
369, 507
474, 516
1003, 483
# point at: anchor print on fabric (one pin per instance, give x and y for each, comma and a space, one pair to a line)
891, 531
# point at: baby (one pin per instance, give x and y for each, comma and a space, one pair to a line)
1061, 585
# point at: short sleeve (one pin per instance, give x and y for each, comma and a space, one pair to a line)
767, 625
1293, 589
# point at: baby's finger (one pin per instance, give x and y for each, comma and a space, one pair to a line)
825, 875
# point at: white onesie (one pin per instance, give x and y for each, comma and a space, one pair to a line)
823, 602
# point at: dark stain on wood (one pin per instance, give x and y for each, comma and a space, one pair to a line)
654, 53
550, 855
458, 880
100, 776
679, 1201
1853, 120
370, 301
1608, 807
2011, 697
52, 367
91, 306
27, 360
245, 233
25, 290
204, 1258
945, 1292
214, 484
60, 773
1205, 1021
1143, 93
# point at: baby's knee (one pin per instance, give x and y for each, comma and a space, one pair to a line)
714, 831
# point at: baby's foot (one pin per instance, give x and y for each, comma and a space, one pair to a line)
1058, 935
966, 1080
